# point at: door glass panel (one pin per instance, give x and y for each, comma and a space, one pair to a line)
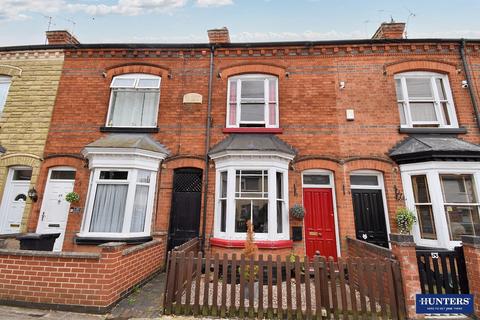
363, 180
62, 175
22, 174
316, 179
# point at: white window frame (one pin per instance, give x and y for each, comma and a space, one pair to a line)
433, 170
131, 181
136, 77
441, 122
272, 167
8, 81
330, 185
379, 186
266, 79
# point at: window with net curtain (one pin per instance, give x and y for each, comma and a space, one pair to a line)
4, 86
252, 101
134, 101
120, 201
424, 100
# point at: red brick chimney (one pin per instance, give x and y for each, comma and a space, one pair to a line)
218, 35
390, 30
61, 37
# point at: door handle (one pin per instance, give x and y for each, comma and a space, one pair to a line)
43, 215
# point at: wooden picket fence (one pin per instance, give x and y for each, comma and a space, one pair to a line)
318, 288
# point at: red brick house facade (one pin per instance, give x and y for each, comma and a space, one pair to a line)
332, 126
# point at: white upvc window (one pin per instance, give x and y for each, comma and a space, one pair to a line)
425, 100
120, 203
4, 86
134, 101
258, 194
252, 101
444, 197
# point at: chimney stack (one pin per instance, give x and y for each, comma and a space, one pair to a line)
218, 35
61, 37
390, 30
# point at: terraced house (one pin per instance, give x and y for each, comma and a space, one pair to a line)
167, 142
29, 80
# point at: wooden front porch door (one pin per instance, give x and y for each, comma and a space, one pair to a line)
319, 222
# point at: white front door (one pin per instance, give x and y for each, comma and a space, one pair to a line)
14, 199
54, 213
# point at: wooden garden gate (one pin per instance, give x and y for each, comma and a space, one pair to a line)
317, 288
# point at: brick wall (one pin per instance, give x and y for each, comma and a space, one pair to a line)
312, 111
89, 282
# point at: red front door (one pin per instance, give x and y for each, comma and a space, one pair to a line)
319, 222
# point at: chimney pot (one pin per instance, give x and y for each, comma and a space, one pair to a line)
218, 35
390, 30
61, 37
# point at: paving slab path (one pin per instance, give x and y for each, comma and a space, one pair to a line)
143, 302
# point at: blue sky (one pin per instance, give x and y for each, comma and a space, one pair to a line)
103, 21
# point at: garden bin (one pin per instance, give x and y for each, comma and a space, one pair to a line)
37, 241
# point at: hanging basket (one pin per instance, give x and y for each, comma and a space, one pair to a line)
72, 197
297, 211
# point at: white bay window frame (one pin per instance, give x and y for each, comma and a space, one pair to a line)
272, 166
133, 86
131, 160
404, 101
266, 102
132, 184
433, 170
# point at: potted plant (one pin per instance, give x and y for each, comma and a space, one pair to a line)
405, 219
72, 197
249, 252
297, 211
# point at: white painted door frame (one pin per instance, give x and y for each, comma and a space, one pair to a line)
61, 208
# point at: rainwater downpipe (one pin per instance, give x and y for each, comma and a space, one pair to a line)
469, 81
207, 146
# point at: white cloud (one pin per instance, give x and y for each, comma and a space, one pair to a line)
295, 36
22, 9
213, 3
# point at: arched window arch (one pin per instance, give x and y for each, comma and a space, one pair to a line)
134, 101
252, 101
425, 100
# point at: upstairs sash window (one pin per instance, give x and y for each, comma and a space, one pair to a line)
134, 101
252, 101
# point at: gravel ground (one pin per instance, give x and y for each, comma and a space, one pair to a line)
275, 302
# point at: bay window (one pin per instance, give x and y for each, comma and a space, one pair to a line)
252, 101
444, 197
251, 193
424, 100
120, 203
134, 101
